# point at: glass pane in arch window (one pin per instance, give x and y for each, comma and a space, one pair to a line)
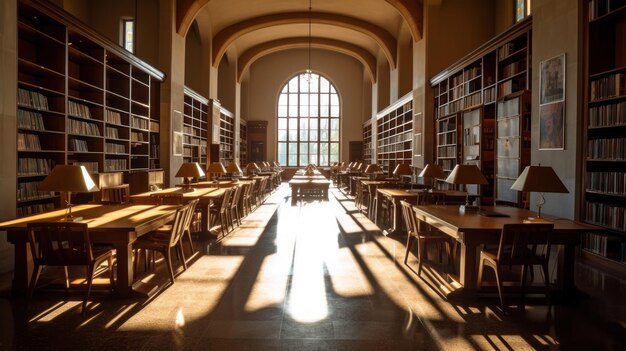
293, 85
324, 86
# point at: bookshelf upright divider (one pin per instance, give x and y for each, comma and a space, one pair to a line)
195, 128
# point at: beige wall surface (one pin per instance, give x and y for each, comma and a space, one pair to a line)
269, 74
556, 31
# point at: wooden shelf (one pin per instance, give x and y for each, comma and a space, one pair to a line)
75, 99
604, 167
243, 143
367, 142
195, 128
394, 135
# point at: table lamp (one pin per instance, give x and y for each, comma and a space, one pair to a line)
189, 170
432, 171
373, 169
402, 169
70, 179
216, 168
252, 168
466, 174
539, 179
233, 168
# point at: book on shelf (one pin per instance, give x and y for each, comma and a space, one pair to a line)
111, 165
34, 209
30, 120
27, 191
608, 115
28, 142
112, 148
83, 128
78, 110
113, 117
32, 99
606, 149
606, 215
34, 166
608, 87
78, 145
137, 136
112, 132
506, 50
606, 182
140, 123
92, 167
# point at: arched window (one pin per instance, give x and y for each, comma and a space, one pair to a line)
308, 122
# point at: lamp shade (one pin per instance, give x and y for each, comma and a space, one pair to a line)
466, 174
539, 179
402, 169
252, 167
190, 170
233, 167
69, 178
432, 170
216, 167
373, 168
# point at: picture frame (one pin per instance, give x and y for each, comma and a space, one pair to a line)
552, 80
177, 144
552, 126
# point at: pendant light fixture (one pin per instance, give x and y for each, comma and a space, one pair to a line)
308, 75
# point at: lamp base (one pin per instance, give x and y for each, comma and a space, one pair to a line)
468, 208
71, 219
531, 220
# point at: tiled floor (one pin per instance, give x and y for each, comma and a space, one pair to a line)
318, 276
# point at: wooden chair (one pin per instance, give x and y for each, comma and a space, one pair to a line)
220, 211
423, 237
524, 245
117, 194
246, 198
66, 244
157, 241
233, 209
163, 231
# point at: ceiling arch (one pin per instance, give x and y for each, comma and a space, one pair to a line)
228, 35
411, 12
254, 53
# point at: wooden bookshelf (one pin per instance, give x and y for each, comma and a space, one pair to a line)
367, 142
512, 146
227, 136
466, 95
477, 133
81, 100
394, 134
243, 143
604, 164
195, 127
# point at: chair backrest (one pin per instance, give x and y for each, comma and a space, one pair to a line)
168, 198
60, 243
235, 196
191, 210
409, 217
518, 242
226, 198
178, 227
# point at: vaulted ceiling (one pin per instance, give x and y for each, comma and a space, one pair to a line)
363, 29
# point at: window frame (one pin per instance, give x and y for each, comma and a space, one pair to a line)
308, 133
123, 34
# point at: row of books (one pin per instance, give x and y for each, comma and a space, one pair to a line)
113, 117
78, 145
446, 151
607, 149
137, 136
111, 148
155, 127
154, 151
28, 142
395, 147
606, 246
473, 100
606, 182
608, 115
32, 99
140, 123
34, 208
27, 191
508, 87
508, 108
606, 215
83, 128
34, 166
510, 69
76, 109
452, 107
472, 73
608, 87
112, 132
505, 50
111, 165
92, 167
30, 120
489, 95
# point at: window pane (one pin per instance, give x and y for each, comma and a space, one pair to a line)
313, 159
282, 100
324, 85
293, 134
304, 135
293, 99
282, 149
324, 99
324, 135
304, 85
334, 148
314, 86
282, 111
334, 100
324, 123
313, 148
334, 135
313, 99
313, 135
293, 160
332, 89
324, 111
293, 111
293, 85
323, 160
334, 158
282, 123
293, 149
293, 123
282, 159
304, 159
313, 123
282, 135
304, 111
334, 111
285, 88
304, 148
334, 123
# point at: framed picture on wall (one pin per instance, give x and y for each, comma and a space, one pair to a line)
552, 126
552, 80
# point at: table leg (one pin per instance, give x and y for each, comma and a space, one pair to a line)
125, 274
294, 195
467, 270
22, 263
326, 193
565, 275
204, 222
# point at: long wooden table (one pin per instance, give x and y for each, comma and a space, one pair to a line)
473, 229
205, 195
119, 225
300, 186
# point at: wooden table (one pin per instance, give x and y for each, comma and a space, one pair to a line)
297, 187
119, 225
206, 196
472, 230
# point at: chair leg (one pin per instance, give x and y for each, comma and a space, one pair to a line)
409, 241
497, 271
546, 278
479, 277
168, 260
90, 270
421, 243
523, 280
450, 256
179, 247
188, 233
67, 280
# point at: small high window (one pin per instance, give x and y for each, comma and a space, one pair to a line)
522, 9
128, 34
